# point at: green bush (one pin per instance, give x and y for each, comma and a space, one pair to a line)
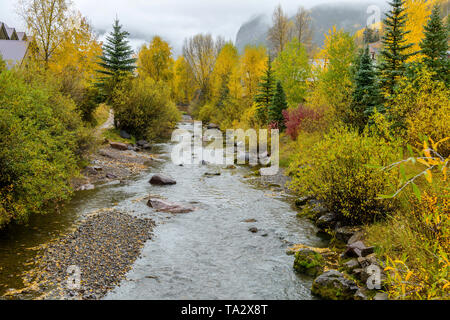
341, 170
42, 139
143, 108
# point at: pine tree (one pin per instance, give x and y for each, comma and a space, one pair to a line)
264, 95
277, 107
117, 58
224, 93
435, 46
393, 55
366, 95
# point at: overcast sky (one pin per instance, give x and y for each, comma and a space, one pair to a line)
174, 20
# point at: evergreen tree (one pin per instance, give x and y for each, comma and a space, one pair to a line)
224, 93
264, 95
117, 59
435, 46
277, 107
393, 55
366, 95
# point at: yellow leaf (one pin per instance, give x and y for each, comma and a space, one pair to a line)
408, 275
429, 176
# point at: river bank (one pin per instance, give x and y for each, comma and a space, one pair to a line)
233, 245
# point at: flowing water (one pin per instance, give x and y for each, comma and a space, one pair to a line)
207, 254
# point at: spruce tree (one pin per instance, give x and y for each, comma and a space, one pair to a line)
224, 93
366, 95
117, 59
393, 55
435, 46
277, 107
264, 95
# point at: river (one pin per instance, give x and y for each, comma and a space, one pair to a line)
207, 254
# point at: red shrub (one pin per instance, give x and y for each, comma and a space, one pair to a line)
297, 119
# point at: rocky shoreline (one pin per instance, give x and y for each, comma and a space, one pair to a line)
343, 270
348, 269
102, 249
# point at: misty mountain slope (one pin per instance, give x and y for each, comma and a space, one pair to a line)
253, 32
350, 17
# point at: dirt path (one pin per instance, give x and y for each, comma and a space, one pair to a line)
107, 125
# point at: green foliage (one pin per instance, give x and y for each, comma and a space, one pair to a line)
342, 169
277, 107
292, 69
2, 64
366, 95
421, 107
89, 104
309, 262
264, 95
117, 59
143, 108
42, 139
393, 55
335, 78
435, 46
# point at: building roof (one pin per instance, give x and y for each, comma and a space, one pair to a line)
13, 51
22, 36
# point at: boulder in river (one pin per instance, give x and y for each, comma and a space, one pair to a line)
119, 146
309, 262
161, 180
253, 230
164, 206
212, 126
87, 187
332, 285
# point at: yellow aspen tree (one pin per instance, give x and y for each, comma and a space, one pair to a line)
155, 60
418, 12
227, 62
77, 54
253, 64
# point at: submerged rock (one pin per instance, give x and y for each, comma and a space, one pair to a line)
158, 179
163, 206
253, 230
309, 262
212, 174
332, 285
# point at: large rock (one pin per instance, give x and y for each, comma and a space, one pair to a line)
163, 206
332, 285
144, 144
124, 134
141, 143
302, 201
161, 180
309, 262
118, 146
358, 249
327, 221
344, 234
212, 126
